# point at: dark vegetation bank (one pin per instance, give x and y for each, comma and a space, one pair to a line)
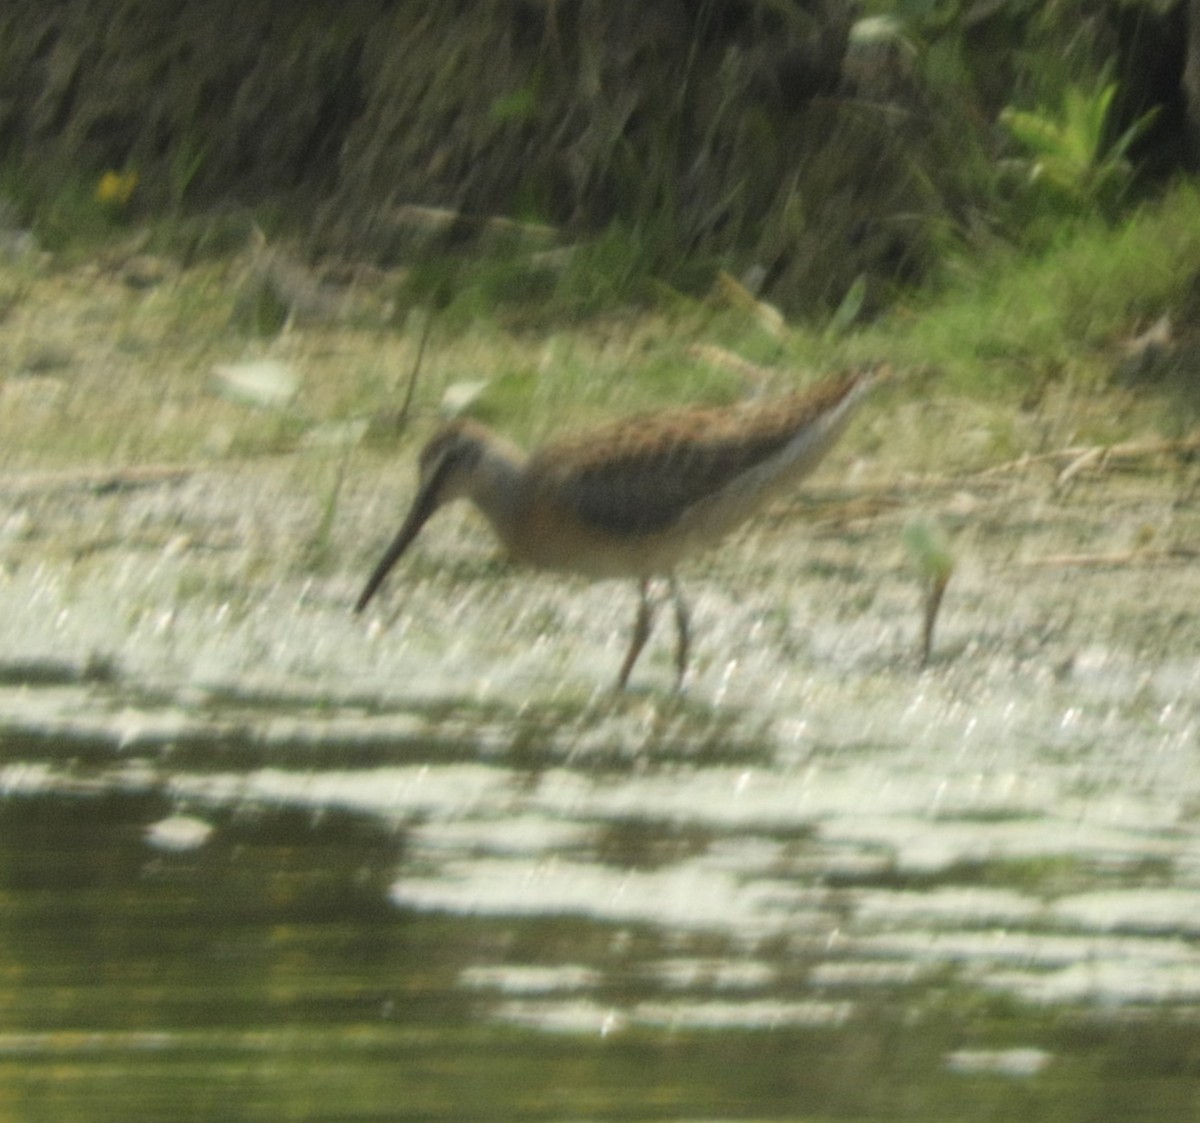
828, 154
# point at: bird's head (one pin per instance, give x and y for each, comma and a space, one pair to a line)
448, 464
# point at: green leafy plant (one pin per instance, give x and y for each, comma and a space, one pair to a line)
1070, 157
931, 555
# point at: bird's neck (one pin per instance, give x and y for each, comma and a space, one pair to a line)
498, 486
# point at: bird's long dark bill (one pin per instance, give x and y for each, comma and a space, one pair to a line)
423, 506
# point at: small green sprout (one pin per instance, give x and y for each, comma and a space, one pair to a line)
929, 548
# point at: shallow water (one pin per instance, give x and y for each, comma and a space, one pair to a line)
261, 861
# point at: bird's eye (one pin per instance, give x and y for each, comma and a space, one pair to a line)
462, 454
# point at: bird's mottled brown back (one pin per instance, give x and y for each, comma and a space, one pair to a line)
641, 475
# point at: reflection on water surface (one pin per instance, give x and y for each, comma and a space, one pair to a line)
221, 909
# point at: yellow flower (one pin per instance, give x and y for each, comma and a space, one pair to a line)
115, 188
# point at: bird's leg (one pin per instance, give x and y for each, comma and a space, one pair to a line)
641, 632
683, 621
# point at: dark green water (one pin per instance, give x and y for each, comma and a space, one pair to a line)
267, 975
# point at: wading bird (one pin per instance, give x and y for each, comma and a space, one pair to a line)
633, 498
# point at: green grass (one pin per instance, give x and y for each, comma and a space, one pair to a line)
133, 383
1006, 321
